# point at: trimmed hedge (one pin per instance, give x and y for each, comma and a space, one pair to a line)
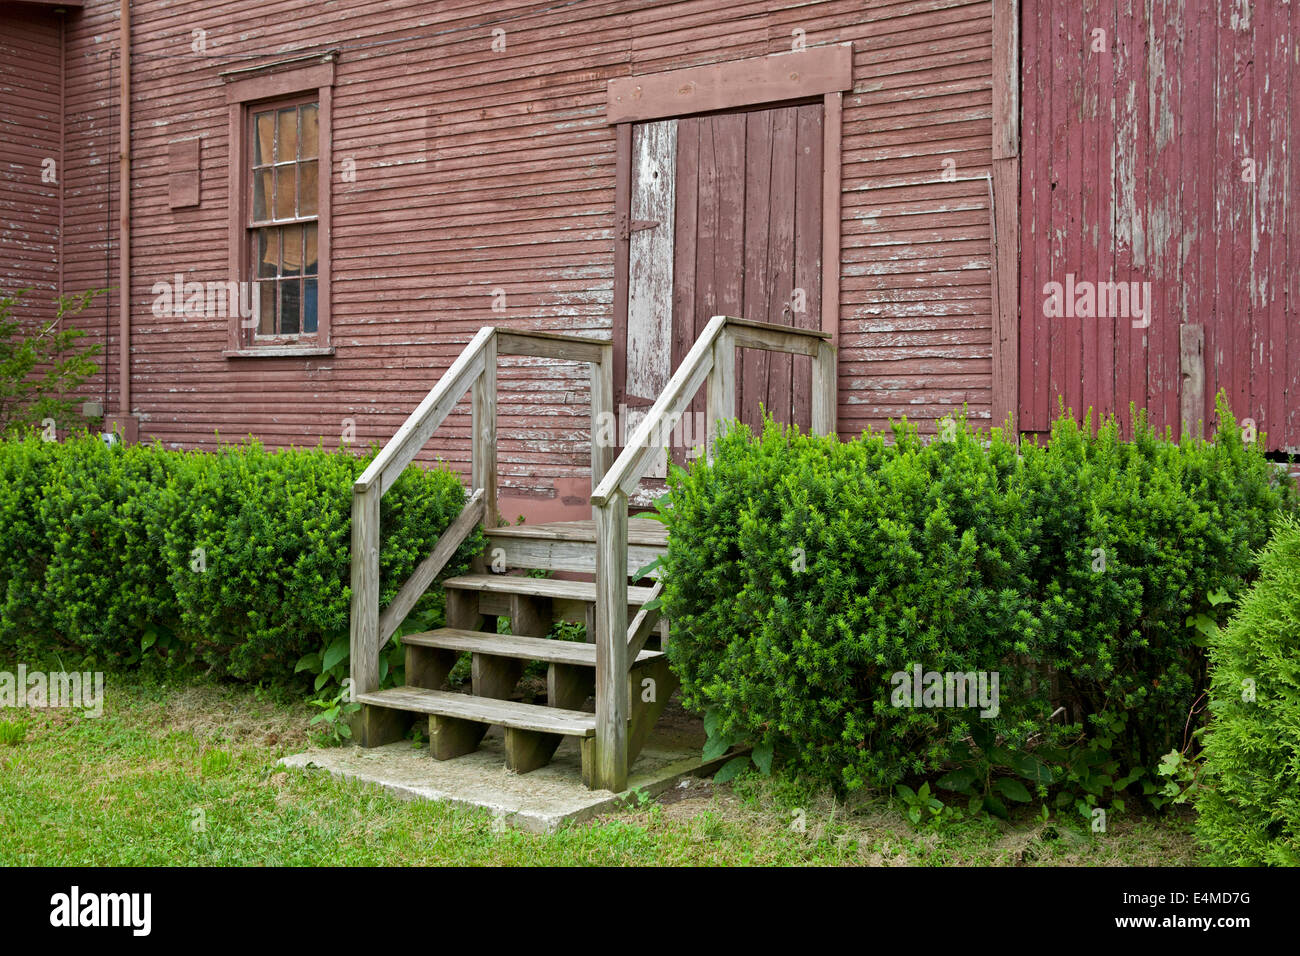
802, 572
1249, 800
237, 559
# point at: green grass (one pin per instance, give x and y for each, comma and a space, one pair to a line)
186, 775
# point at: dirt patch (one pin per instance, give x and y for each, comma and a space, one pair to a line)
213, 714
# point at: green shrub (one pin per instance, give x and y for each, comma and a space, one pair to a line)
1249, 800
803, 572
41, 365
1131, 539
236, 560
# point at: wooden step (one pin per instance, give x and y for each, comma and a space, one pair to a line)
510, 645
498, 594
552, 588
570, 545
484, 710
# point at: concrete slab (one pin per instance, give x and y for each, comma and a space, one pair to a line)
539, 801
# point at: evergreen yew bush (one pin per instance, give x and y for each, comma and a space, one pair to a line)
237, 560
1248, 802
804, 572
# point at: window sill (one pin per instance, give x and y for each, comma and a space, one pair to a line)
279, 351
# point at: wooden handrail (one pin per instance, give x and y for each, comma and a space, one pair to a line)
677, 395
428, 415
474, 370
643, 624
711, 357
556, 345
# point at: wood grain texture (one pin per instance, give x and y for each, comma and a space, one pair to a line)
364, 616
645, 532
483, 421
571, 653
1133, 170
561, 555
32, 89
642, 626
183, 158
650, 277
721, 388
609, 770
473, 170
1192, 394
484, 711
720, 86
554, 588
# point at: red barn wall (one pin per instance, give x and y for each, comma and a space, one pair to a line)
1133, 171
478, 170
31, 86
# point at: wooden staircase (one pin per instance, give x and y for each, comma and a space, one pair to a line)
622, 674
475, 602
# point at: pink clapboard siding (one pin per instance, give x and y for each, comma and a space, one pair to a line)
478, 169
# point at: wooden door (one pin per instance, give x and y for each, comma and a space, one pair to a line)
723, 216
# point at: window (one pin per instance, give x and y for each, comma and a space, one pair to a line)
280, 207
283, 209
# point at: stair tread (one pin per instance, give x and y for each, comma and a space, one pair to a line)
484, 710
513, 645
640, 531
541, 587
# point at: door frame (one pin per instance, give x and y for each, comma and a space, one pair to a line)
825, 71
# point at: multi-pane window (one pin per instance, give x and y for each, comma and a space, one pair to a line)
283, 212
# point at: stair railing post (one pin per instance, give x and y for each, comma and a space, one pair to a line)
721, 390
364, 618
612, 703
604, 430
483, 451
825, 390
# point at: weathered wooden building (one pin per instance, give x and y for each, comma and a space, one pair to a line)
382, 179
519, 216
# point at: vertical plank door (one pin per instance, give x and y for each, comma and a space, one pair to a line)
724, 218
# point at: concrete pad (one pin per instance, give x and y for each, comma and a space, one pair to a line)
539, 801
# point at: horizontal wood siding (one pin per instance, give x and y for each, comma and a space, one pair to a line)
30, 88
91, 172
487, 176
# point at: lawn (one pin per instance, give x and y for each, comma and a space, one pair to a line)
186, 775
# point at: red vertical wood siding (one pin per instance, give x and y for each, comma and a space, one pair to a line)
480, 169
1132, 171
